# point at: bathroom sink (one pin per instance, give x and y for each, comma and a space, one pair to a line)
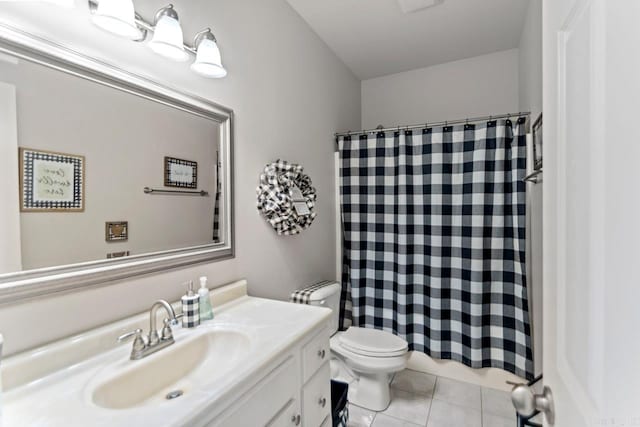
172, 373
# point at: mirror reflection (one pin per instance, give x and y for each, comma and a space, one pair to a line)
103, 173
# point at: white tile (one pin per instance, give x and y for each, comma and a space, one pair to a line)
386, 421
490, 420
497, 402
360, 417
408, 406
414, 382
458, 392
444, 414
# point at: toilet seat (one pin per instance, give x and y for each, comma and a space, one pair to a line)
369, 364
373, 342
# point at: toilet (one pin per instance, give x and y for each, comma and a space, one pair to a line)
372, 355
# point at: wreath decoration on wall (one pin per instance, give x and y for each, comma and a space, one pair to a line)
286, 198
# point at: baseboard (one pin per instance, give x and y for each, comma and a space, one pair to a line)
485, 377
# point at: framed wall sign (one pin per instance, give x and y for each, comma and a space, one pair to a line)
180, 173
51, 182
537, 143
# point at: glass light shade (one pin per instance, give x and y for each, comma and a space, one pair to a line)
208, 62
168, 40
117, 17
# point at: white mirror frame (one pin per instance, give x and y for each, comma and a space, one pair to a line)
25, 285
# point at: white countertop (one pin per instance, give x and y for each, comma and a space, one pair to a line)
63, 397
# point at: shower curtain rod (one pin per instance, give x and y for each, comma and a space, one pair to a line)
443, 123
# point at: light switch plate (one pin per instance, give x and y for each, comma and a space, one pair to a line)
116, 231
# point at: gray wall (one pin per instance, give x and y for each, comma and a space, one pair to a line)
530, 68
530, 60
289, 93
10, 259
124, 139
473, 87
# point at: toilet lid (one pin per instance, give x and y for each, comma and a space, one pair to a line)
373, 342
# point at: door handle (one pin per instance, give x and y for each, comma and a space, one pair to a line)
527, 402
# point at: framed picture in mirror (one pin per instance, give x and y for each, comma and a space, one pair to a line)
50, 181
180, 173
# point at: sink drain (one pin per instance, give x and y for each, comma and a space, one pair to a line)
174, 394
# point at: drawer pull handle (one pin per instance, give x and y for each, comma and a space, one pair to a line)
321, 354
296, 419
322, 402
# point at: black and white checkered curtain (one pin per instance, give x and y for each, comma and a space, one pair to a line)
434, 240
216, 203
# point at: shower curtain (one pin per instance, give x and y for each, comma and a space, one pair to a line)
434, 240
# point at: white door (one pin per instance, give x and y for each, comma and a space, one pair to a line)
591, 302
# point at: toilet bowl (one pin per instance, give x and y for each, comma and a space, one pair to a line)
373, 356
370, 355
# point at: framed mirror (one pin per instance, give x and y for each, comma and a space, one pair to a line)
108, 175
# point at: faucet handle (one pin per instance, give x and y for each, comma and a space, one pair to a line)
137, 333
167, 334
139, 342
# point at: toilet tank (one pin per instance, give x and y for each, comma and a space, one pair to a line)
328, 296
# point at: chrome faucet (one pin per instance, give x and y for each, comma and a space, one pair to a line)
154, 339
144, 346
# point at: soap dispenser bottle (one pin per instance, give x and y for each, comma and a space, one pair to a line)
206, 311
190, 308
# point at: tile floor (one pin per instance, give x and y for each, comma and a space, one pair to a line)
419, 399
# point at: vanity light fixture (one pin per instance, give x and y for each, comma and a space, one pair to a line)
208, 61
167, 35
117, 17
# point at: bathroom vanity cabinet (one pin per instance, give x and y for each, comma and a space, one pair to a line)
296, 392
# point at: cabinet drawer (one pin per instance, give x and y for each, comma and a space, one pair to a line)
316, 397
266, 399
314, 354
288, 417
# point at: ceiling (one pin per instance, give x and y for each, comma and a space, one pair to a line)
375, 37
